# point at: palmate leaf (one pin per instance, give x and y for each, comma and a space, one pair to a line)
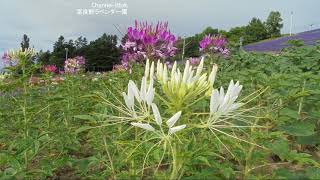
309, 140
286, 174
299, 128
281, 148
313, 173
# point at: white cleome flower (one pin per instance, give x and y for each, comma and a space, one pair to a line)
145, 95
158, 120
181, 87
224, 103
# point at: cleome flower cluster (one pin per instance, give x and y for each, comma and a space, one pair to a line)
161, 110
74, 65
17, 57
178, 88
144, 98
182, 88
214, 44
49, 68
147, 41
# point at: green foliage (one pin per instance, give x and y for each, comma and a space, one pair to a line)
255, 31
191, 44
296, 43
273, 24
59, 131
101, 54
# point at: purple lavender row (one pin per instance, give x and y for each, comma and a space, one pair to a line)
309, 38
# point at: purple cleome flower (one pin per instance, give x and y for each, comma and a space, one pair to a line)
214, 44
5, 58
194, 61
145, 41
309, 38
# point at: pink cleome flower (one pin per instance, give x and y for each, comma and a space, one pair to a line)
214, 44
73, 65
50, 68
147, 41
194, 61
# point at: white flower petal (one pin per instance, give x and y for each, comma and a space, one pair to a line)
147, 127
156, 114
213, 73
173, 119
165, 74
200, 67
186, 72
143, 89
152, 70
150, 96
176, 129
146, 71
134, 89
214, 101
126, 100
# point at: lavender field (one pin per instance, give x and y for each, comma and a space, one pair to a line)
308, 37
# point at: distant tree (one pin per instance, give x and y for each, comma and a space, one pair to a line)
43, 57
255, 31
25, 42
80, 42
236, 33
209, 30
102, 53
273, 24
59, 51
191, 44
223, 33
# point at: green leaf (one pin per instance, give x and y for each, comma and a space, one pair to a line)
82, 129
313, 172
309, 140
84, 117
203, 160
299, 129
280, 148
289, 113
286, 174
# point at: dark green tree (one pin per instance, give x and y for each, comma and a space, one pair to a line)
80, 42
102, 53
25, 42
236, 33
255, 31
191, 44
43, 57
273, 24
61, 48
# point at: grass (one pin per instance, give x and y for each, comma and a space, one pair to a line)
63, 131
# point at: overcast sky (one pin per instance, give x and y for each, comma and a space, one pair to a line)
45, 20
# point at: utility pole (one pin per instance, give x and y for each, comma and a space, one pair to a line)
184, 45
241, 42
66, 53
291, 22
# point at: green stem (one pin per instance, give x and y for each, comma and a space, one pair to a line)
175, 163
109, 156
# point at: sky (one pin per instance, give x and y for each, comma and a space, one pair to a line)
45, 20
